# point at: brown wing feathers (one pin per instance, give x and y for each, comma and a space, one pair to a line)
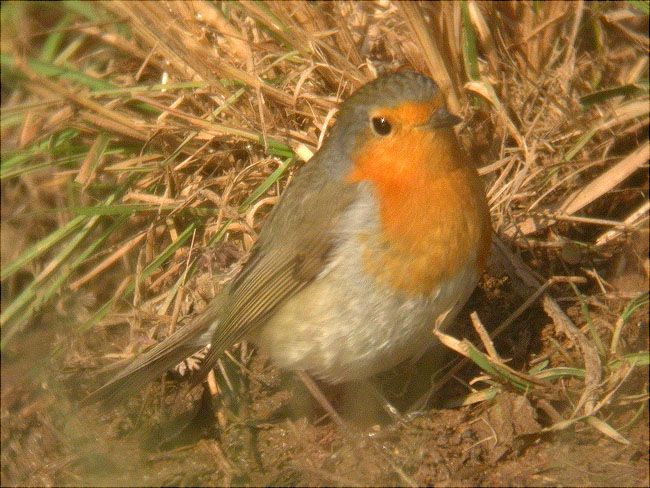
291, 251
275, 278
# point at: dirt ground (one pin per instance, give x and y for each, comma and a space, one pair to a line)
137, 128
263, 428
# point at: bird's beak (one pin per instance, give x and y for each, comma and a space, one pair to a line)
441, 118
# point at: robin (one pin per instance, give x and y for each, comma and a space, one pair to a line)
381, 236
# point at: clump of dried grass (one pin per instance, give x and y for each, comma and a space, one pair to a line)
142, 144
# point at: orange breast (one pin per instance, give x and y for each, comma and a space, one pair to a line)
433, 211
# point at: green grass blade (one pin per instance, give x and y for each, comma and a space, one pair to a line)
41, 247
36, 297
48, 70
642, 6
53, 42
604, 95
171, 249
154, 265
470, 52
266, 184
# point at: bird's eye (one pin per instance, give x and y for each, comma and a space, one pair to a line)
381, 126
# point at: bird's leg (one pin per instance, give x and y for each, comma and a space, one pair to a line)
388, 407
316, 392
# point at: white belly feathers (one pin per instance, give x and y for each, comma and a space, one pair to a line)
348, 326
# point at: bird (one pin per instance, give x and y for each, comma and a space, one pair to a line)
382, 236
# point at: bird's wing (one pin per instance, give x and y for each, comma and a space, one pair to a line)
154, 362
292, 250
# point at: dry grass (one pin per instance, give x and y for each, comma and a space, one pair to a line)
143, 144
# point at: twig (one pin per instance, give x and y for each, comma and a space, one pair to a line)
593, 366
485, 337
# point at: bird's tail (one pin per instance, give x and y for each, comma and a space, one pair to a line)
154, 362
